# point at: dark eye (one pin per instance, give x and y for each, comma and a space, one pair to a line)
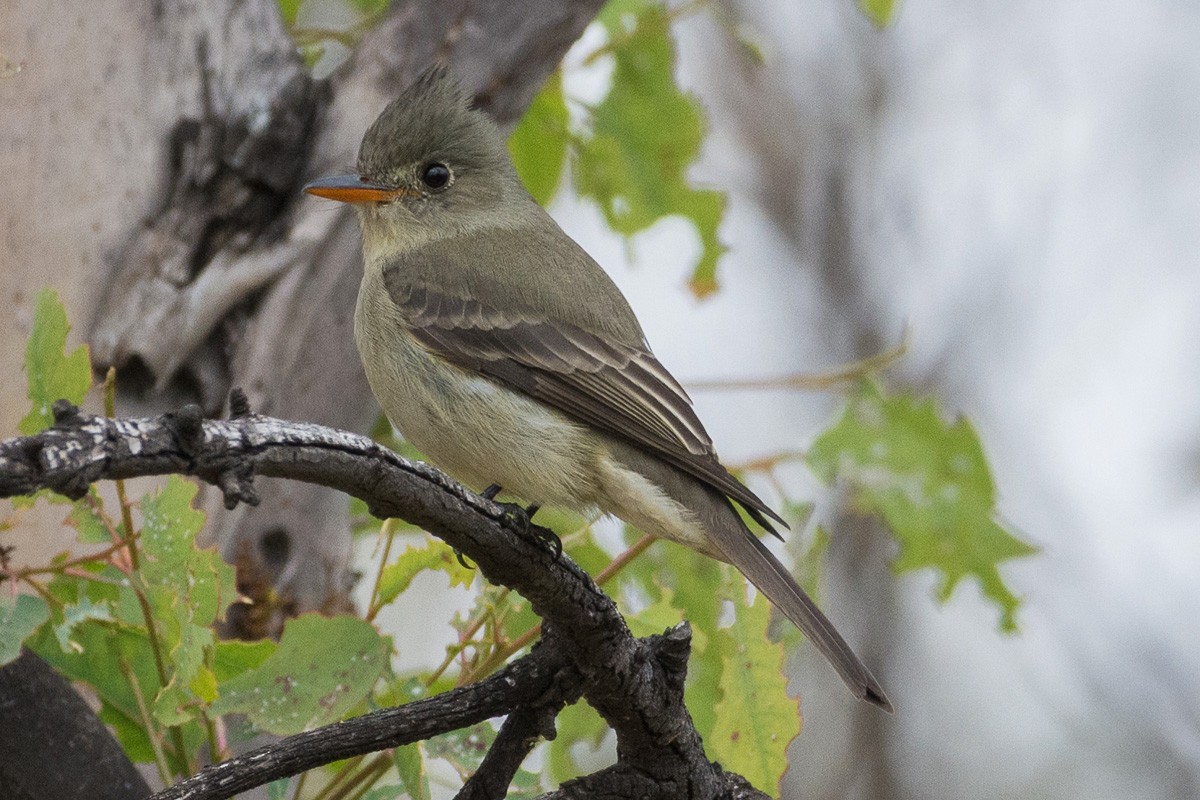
436, 176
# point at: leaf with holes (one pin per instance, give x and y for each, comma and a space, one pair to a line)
755, 718
323, 667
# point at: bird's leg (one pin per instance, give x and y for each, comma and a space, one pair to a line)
523, 522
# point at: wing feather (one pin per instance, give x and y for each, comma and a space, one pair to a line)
621, 389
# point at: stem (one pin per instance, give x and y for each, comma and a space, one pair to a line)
619, 563
814, 382
214, 751
84, 575
338, 779
160, 758
388, 533
74, 562
300, 781
42, 591
467, 634
371, 772
110, 393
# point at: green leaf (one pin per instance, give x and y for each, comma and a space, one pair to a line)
578, 724
130, 733
187, 588
538, 145
697, 582
755, 719
525, 785
880, 12
278, 789
655, 618
465, 748
288, 10
20, 616
76, 614
232, 658
88, 523
644, 135
197, 583
929, 481
102, 649
619, 17
52, 374
323, 667
410, 766
399, 575
370, 7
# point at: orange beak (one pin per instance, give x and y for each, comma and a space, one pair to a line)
354, 189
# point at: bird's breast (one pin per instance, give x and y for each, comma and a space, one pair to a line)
473, 428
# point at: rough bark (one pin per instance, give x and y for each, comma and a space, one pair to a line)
635, 684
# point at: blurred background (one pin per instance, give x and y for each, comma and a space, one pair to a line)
1018, 183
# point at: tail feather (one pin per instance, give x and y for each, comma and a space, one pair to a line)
746, 552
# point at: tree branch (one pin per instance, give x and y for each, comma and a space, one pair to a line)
635, 684
544, 678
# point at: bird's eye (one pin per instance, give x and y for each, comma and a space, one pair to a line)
436, 176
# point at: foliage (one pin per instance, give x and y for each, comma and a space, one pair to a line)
930, 482
880, 12
631, 151
52, 374
134, 620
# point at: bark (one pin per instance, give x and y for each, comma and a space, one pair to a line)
635, 684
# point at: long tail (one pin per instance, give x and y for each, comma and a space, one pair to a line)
744, 550
726, 537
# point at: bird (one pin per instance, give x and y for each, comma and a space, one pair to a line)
502, 351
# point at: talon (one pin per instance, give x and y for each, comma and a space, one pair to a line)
491, 491
458, 554
531, 509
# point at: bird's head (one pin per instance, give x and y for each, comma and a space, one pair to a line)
429, 159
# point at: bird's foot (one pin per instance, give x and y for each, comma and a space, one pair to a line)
521, 519
518, 520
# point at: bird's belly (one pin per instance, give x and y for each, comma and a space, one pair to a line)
478, 431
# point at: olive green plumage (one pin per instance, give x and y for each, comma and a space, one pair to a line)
498, 347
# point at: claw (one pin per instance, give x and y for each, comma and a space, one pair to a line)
458, 554
491, 491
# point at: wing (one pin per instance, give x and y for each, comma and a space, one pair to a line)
620, 389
